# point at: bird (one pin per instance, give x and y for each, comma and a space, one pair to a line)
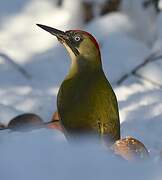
86, 102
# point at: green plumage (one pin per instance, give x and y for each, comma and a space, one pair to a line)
87, 104
86, 101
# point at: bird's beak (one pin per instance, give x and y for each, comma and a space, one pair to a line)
61, 36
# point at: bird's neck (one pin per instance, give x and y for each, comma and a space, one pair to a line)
83, 67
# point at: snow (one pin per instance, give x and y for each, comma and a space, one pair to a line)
48, 157
143, 20
7, 113
140, 112
130, 51
153, 69
160, 4
55, 159
44, 153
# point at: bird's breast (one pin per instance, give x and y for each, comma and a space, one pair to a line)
85, 104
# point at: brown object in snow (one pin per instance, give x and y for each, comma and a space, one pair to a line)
55, 117
2, 126
130, 149
25, 122
55, 123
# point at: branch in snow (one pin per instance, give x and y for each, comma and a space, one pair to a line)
153, 57
148, 80
15, 65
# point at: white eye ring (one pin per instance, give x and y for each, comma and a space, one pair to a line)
77, 38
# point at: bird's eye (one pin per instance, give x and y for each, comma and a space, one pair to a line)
77, 38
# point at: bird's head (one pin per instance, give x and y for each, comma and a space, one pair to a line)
81, 46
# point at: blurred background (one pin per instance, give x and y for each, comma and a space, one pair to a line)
33, 64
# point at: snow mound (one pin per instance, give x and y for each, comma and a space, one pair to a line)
44, 156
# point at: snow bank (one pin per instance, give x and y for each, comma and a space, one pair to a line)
44, 156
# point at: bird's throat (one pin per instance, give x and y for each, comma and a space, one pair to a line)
82, 65
79, 68
74, 69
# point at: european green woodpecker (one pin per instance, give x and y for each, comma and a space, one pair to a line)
86, 101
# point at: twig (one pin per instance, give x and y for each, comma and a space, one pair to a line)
17, 66
148, 80
150, 59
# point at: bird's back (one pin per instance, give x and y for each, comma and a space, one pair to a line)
88, 104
